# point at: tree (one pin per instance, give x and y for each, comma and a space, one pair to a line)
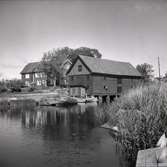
88, 52
53, 59
146, 71
60, 54
165, 77
51, 69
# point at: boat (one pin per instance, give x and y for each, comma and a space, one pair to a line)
79, 100
63, 101
91, 99
86, 99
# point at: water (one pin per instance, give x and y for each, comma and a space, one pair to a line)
33, 136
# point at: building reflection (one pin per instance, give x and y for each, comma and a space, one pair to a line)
61, 122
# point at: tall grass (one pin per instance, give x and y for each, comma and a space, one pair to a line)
141, 115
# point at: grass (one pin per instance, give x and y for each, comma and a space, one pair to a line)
141, 116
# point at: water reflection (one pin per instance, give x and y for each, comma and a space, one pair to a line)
55, 137
63, 122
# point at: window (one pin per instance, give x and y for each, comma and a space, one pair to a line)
39, 75
27, 76
36, 75
79, 68
105, 87
119, 81
38, 82
72, 78
44, 82
119, 89
87, 77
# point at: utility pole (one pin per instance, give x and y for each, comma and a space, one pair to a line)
159, 72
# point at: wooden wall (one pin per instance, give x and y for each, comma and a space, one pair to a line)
74, 70
33, 78
106, 85
82, 80
103, 85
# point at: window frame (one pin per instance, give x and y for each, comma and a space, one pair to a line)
119, 81
72, 78
119, 89
27, 76
79, 68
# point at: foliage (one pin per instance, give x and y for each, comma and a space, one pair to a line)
141, 116
52, 60
13, 85
102, 113
51, 69
146, 71
87, 52
165, 77
61, 54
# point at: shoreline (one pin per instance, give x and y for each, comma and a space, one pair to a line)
24, 96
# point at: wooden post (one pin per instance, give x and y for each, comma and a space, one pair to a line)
100, 99
108, 99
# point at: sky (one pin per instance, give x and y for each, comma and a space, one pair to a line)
134, 31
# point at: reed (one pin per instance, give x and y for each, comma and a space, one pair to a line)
141, 116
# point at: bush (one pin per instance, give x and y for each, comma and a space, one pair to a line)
31, 89
14, 85
3, 89
141, 116
15, 89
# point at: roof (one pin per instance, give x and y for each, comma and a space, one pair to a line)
66, 61
32, 67
109, 67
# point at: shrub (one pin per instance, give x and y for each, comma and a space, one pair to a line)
3, 89
141, 116
31, 89
14, 85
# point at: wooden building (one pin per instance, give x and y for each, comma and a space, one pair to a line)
102, 77
33, 74
64, 68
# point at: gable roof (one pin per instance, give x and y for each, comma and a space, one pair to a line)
32, 67
66, 61
107, 67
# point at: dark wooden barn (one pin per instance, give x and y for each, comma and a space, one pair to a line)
103, 77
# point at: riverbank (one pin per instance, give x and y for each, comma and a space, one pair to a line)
56, 97
36, 95
141, 117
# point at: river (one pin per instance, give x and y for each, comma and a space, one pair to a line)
32, 136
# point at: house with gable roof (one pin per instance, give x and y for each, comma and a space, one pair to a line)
33, 74
101, 77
